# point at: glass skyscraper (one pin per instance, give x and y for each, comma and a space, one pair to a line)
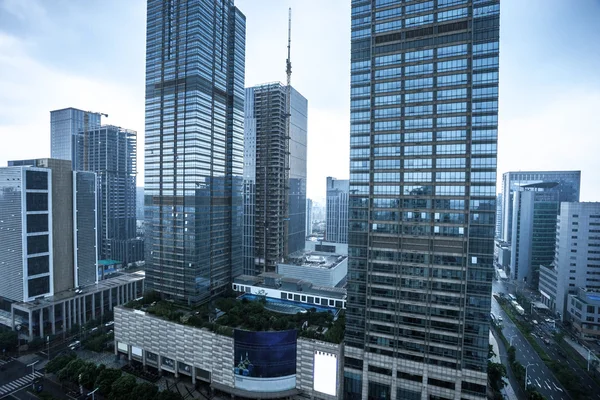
194, 146
64, 125
424, 118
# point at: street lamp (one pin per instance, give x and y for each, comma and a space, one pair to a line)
32, 365
93, 393
526, 367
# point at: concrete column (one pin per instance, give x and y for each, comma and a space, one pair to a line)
30, 315
144, 359
102, 303
42, 323
193, 374
12, 317
53, 318
83, 309
159, 363
109, 299
93, 305
64, 317
129, 352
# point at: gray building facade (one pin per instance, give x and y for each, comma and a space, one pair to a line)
423, 136
576, 261
274, 196
568, 187
336, 210
64, 125
535, 208
309, 205
194, 147
46, 251
111, 152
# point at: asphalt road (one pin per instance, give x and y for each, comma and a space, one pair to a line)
538, 374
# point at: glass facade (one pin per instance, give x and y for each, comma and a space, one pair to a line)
64, 125
569, 183
424, 121
111, 152
274, 199
336, 209
194, 147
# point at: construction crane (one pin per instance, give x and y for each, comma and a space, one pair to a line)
288, 111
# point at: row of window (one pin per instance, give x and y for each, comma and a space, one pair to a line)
441, 122
409, 111
414, 150
480, 177
422, 190
423, 163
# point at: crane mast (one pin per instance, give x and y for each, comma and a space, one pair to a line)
288, 114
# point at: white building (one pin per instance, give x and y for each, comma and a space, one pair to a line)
577, 255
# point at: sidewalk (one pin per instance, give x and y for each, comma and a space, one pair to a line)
507, 391
583, 352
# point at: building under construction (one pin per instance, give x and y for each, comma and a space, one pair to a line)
274, 176
110, 152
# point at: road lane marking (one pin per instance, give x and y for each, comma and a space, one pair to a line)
559, 389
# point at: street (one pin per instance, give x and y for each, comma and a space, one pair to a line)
15, 376
538, 374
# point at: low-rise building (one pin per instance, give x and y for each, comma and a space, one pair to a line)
584, 312
316, 267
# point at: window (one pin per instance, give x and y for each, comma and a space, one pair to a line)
485, 106
417, 150
451, 121
452, 14
485, 48
38, 286
420, 7
483, 162
360, 116
393, 86
418, 137
418, 83
384, 100
417, 163
388, 26
451, 51
392, 12
360, 78
387, 138
450, 177
37, 201
418, 97
417, 177
361, 33
418, 110
451, 80
388, 60
360, 91
451, 135
479, 93
484, 63
418, 55
37, 223
388, 73
386, 151
38, 265
387, 125
483, 190
418, 69
484, 120
485, 77
450, 148
418, 123
486, 10
452, 94
450, 163
452, 65
449, 108
37, 180
361, 103
420, 20
450, 190
388, 112
484, 134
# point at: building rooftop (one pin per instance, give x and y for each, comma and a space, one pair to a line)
315, 259
271, 280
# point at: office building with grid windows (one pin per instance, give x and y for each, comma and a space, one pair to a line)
194, 147
424, 119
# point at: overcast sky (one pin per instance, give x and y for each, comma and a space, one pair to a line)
91, 54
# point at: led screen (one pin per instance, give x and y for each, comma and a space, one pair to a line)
325, 373
264, 354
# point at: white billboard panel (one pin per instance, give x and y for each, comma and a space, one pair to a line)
325, 373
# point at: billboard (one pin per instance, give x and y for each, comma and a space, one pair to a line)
325, 373
265, 361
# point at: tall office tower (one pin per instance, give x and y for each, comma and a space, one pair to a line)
336, 210
64, 125
576, 257
535, 208
110, 152
568, 189
424, 101
272, 197
498, 230
194, 147
309, 217
46, 249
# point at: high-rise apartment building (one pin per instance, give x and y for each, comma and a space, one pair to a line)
424, 119
336, 210
568, 189
64, 125
47, 227
535, 208
111, 152
576, 261
274, 177
308, 216
194, 147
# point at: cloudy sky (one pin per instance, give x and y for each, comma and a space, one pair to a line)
90, 55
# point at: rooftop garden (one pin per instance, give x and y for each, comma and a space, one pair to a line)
228, 313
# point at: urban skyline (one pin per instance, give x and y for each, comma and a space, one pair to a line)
542, 113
